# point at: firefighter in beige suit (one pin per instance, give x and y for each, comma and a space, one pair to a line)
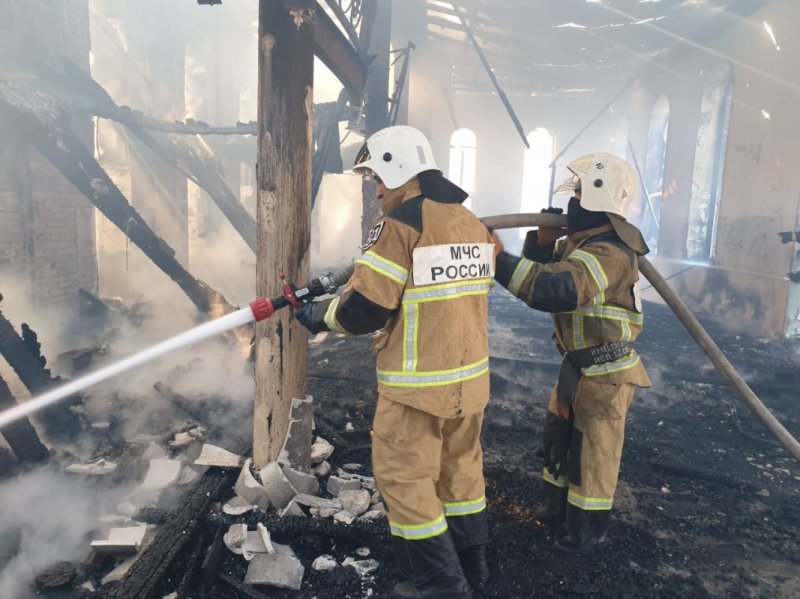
589, 282
424, 279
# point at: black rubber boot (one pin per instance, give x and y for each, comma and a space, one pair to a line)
586, 531
432, 568
554, 511
475, 565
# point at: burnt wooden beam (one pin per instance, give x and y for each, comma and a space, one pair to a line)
181, 533
20, 435
328, 157
286, 34
339, 55
60, 423
62, 148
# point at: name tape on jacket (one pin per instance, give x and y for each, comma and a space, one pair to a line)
438, 264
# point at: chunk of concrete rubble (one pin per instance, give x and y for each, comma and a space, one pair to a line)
344, 517
236, 506
249, 489
325, 512
293, 509
186, 438
352, 467
364, 567
304, 483
317, 502
367, 482
320, 450
371, 516
277, 570
363, 551
97, 468
355, 502
278, 487
211, 455
161, 474
121, 540
322, 469
188, 476
336, 485
119, 572
376, 497
248, 543
296, 450
324, 563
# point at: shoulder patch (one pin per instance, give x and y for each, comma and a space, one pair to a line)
373, 235
409, 213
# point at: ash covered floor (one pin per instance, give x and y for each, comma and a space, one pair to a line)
708, 505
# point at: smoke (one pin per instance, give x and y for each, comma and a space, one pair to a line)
46, 517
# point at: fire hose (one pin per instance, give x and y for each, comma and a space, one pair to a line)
259, 309
681, 310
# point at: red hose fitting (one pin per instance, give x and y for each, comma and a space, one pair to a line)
262, 308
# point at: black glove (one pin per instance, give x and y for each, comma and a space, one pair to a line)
556, 437
312, 316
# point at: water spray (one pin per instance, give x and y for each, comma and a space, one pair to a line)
259, 309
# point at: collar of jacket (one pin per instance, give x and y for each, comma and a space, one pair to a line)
579, 237
394, 197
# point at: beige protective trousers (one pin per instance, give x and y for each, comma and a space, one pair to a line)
430, 473
595, 449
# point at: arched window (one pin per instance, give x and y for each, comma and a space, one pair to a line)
655, 158
536, 172
709, 164
463, 153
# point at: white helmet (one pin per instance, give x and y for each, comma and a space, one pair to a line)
396, 154
607, 183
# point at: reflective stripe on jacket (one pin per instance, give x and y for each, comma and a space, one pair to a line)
590, 286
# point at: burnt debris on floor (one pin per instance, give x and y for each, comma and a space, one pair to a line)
707, 505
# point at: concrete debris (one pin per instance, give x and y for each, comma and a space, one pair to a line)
344, 517
296, 450
372, 515
317, 502
376, 497
278, 487
363, 551
249, 489
304, 483
352, 467
277, 570
154, 451
320, 450
323, 469
355, 502
336, 485
121, 540
96, 468
119, 572
349, 427
248, 543
363, 567
367, 482
161, 474
188, 437
293, 509
324, 563
211, 455
237, 506
324, 512
173, 595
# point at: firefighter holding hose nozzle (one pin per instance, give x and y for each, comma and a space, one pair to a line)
589, 282
424, 279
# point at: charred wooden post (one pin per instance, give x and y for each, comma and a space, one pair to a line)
285, 91
66, 152
20, 435
60, 423
328, 157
